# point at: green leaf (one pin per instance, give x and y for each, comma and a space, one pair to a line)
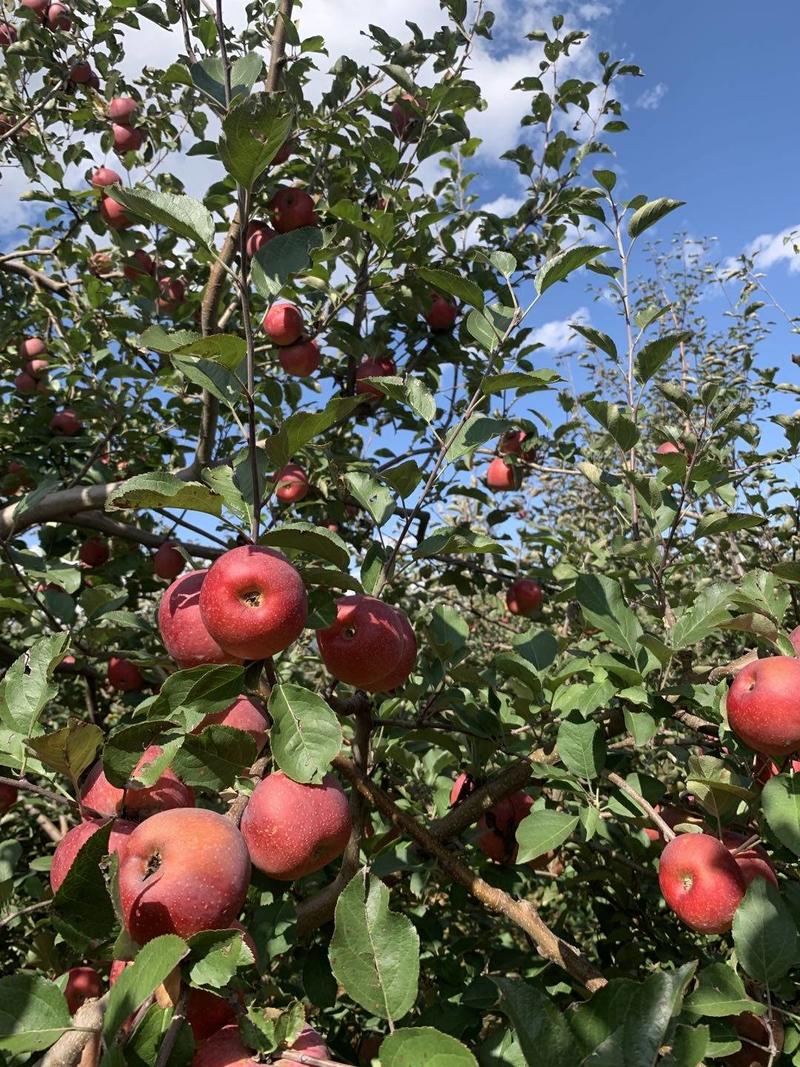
542, 1031
305, 734
720, 991
650, 213
454, 285
596, 1019
764, 933
374, 497
153, 963
410, 391
28, 684
652, 356
209, 74
187, 696
597, 338
581, 748
124, 747
455, 541
160, 489
603, 606
303, 426
563, 264
542, 831
215, 957
476, 431
523, 381
708, 611
33, 1013
214, 758
717, 522
227, 349
611, 418
82, 900
780, 802
404, 478
482, 329
374, 952
302, 537
281, 258
504, 262
69, 750
221, 383
253, 132
182, 214
423, 1044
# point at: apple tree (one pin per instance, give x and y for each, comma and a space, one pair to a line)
374, 692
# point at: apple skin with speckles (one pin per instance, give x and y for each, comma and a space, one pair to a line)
701, 882
100, 796
226, 1049
180, 872
763, 705
183, 631
244, 714
73, 841
292, 829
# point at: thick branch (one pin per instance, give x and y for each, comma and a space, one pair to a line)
16, 266
67, 1051
549, 945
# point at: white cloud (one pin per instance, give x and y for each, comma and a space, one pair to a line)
651, 98
771, 248
558, 335
591, 11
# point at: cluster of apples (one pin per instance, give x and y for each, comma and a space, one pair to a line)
32, 353
501, 475
54, 16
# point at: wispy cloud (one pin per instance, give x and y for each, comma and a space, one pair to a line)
651, 98
558, 335
770, 248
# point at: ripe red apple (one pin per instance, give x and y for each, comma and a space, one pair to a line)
244, 714
701, 882
183, 631
499, 475
668, 448
31, 347
127, 138
8, 34
113, 214
99, 795
66, 423
463, 786
370, 644
511, 444
755, 1031
180, 872
58, 17
38, 6
301, 359
168, 562
225, 1048
94, 552
283, 153
291, 484
291, 829
794, 637
83, 983
292, 208
104, 176
80, 73
137, 265
753, 862
283, 323
207, 1013
441, 316
373, 368
73, 841
122, 109
763, 705
498, 827
253, 602
524, 597
257, 235
123, 675
26, 384
406, 120
37, 368
173, 293
8, 796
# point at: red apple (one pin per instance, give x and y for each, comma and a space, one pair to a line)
370, 645
183, 631
498, 827
168, 562
207, 1013
441, 315
283, 323
137, 265
73, 841
65, 423
291, 829
300, 359
668, 448
701, 882
524, 597
123, 675
763, 705
31, 347
499, 475
83, 983
283, 153
37, 368
753, 862
58, 17
257, 235
173, 293
122, 109
126, 138
26, 384
291, 484
8, 34
80, 73
104, 176
99, 795
226, 1049
373, 368
291, 209
244, 714
463, 786
253, 602
113, 214
8, 796
511, 444
39, 7
794, 637
100, 264
180, 872
406, 118
94, 552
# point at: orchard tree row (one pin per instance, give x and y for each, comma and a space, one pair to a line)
373, 692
